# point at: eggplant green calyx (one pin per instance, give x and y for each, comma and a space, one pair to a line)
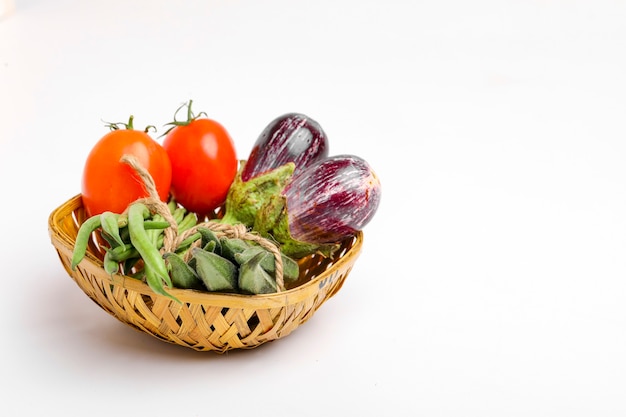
296, 248
246, 198
272, 220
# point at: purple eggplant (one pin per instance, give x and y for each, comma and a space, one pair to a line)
326, 203
292, 137
332, 199
288, 145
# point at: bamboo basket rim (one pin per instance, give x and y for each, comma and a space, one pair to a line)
65, 243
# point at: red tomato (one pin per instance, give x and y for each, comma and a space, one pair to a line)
204, 163
111, 185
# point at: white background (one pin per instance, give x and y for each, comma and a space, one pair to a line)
492, 281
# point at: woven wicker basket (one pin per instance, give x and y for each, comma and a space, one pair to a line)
202, 321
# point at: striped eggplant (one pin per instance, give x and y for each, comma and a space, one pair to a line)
325, 203
287, 145
292, 137
332, 199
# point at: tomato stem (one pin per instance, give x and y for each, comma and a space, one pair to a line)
128, 125
190, 117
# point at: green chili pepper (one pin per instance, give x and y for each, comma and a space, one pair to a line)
156, 270
125, 234
82, 239
189, 221
188, 242
112, 242
155, 282
111, 266
153, 233
123, 253
110, 226
171, 205
156, 224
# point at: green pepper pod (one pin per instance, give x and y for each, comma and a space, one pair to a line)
156, 270
111, 266
82, 239
110, 225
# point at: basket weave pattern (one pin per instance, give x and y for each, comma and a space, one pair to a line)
202, 321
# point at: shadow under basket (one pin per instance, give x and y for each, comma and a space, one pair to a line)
202, 321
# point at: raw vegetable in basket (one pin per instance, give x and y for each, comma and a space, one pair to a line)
326, 203
204, 161
110, 185
286, 146
155, 270
292, 137
332, 199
